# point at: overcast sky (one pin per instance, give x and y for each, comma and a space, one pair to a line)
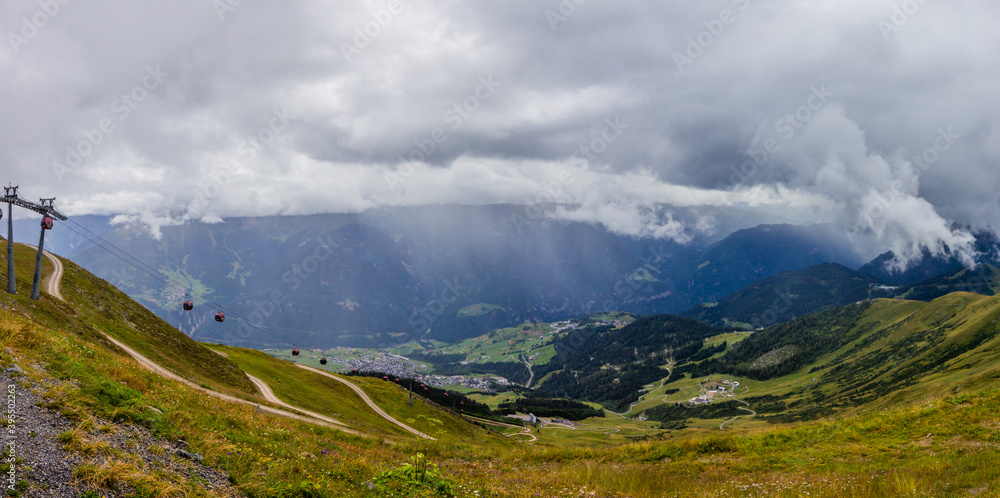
201, 109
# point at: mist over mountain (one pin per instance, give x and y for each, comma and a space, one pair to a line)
445, 272
929, 265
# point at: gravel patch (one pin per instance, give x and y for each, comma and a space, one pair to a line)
42, 468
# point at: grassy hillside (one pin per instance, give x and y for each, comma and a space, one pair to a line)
984, 279
939, 435
93, 306
944, 447
868, 355
328, 397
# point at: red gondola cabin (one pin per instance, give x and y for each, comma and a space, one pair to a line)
47, 223
219, 317
188, 306
322, 361
295, 352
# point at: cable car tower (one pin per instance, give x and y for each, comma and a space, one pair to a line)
45, 207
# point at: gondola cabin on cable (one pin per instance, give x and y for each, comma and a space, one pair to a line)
354, 371
295, 352
322, 361
47, 223
220, 317
188, 305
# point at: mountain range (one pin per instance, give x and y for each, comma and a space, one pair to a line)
391, 275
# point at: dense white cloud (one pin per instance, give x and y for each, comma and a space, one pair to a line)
184, 111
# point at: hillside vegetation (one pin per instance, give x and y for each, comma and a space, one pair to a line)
788, 295
608, 364
871, 354
935, 441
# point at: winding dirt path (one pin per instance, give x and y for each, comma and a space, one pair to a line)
163, 372
752, 413
53, 288
525, 431
670, 371
361, 393
52, 283
491, 422
529, 364
269, 395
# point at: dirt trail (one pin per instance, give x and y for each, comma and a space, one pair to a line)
53, 288
670, 371
525, 431
268, 394
52, 283
752, 413
529, 364
163, 372
371, 404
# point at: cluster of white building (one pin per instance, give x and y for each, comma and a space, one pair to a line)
718, 391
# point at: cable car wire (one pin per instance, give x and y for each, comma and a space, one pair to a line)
163, 279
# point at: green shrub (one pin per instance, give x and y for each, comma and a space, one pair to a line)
419, 477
